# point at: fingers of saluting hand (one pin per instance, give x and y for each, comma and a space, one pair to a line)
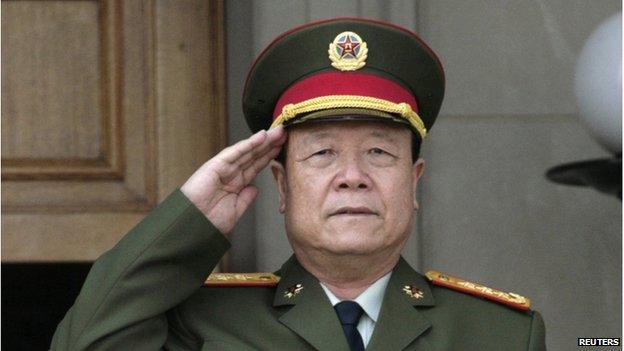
252, 170
251, 155
254, 147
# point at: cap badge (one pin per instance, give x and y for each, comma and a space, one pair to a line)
348, 52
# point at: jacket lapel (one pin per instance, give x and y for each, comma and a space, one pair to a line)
311, 316
399, 322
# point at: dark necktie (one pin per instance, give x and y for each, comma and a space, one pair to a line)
349, 313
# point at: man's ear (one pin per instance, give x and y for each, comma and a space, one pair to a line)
417, 171
279, 174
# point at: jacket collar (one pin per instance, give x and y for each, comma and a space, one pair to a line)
313, 318
400, 322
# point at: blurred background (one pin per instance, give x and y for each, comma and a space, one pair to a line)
108, 106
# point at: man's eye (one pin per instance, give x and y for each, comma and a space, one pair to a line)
378, 151
321, 158
322, 152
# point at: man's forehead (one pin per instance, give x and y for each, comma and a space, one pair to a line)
339, 130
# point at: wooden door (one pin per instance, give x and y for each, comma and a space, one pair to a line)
107, 106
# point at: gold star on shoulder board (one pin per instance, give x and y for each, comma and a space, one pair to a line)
413, 292
293, 290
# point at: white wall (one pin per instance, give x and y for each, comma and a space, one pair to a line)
487, 212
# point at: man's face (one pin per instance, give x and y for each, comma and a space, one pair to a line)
348, 187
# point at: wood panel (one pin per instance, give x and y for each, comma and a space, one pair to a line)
124, 114
51, 88
55, 238
148, 112
59, 106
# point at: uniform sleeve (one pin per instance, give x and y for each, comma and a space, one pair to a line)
157, 265
537, 339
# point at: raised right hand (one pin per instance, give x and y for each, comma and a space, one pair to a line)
221, 188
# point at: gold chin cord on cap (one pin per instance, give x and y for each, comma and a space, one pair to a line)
402, 109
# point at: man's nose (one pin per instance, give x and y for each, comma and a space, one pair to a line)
352, 175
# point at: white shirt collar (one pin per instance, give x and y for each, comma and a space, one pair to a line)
370, 299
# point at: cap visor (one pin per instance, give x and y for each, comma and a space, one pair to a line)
348, 114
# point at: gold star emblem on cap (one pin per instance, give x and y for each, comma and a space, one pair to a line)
413, 292
348, 52
293, 290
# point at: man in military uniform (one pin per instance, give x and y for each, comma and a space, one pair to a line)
356, 98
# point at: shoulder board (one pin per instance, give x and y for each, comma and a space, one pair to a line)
506, 298
241, 279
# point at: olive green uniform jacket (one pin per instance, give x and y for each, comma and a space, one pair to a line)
146, 294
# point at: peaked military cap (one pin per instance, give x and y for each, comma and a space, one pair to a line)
345, 68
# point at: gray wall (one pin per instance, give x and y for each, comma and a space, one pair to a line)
487, 212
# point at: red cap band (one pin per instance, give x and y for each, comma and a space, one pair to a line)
345, 83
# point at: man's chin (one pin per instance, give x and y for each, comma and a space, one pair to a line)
354, 243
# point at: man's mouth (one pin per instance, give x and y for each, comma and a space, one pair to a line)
353, 211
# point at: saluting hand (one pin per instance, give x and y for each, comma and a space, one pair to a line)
221, 188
